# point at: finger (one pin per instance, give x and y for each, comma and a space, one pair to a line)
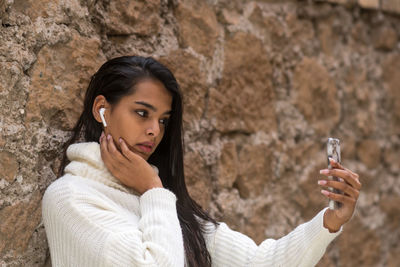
103, 146
354, 175
116, 156
105, 154
347, 176
101, 136
335, 164
108, 158
339, 198
338, 165
131, 156
345, 188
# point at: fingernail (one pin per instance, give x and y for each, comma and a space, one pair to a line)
325, 171
332, 160
120, 140
322, 182
109, 137
102, 135
326, 193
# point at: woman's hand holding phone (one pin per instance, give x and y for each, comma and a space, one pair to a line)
129, 168
350, 185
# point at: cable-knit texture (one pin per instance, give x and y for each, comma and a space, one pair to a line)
92, 219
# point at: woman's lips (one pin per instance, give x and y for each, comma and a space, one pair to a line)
144, 148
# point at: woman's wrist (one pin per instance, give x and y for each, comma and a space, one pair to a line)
330, 221
155, 184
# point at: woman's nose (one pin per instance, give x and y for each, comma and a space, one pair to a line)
153, 129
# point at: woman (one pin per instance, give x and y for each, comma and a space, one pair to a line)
122, 199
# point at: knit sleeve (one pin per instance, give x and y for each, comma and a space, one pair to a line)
304, 246
85, 230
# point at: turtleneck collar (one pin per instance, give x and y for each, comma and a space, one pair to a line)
86, 162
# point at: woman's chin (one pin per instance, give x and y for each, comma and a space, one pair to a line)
145, 157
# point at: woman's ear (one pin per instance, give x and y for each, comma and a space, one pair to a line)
99, 102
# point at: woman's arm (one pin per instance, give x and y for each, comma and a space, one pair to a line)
304, 246
85, 229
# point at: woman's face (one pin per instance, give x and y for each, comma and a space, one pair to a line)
139, 118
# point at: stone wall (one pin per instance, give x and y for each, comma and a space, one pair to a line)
265, 82
392, 6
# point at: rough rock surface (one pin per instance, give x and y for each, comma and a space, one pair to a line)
265, 84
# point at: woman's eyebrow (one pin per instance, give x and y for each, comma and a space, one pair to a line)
153, 108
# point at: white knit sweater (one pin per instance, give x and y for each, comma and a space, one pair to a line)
91, 219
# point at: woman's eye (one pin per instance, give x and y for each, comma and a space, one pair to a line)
145, 114
164, 121
141, 113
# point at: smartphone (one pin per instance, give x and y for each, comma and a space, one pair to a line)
333, 151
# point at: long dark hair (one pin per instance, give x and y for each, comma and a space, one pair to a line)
117, 78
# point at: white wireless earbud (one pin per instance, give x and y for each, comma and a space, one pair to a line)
101, 111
